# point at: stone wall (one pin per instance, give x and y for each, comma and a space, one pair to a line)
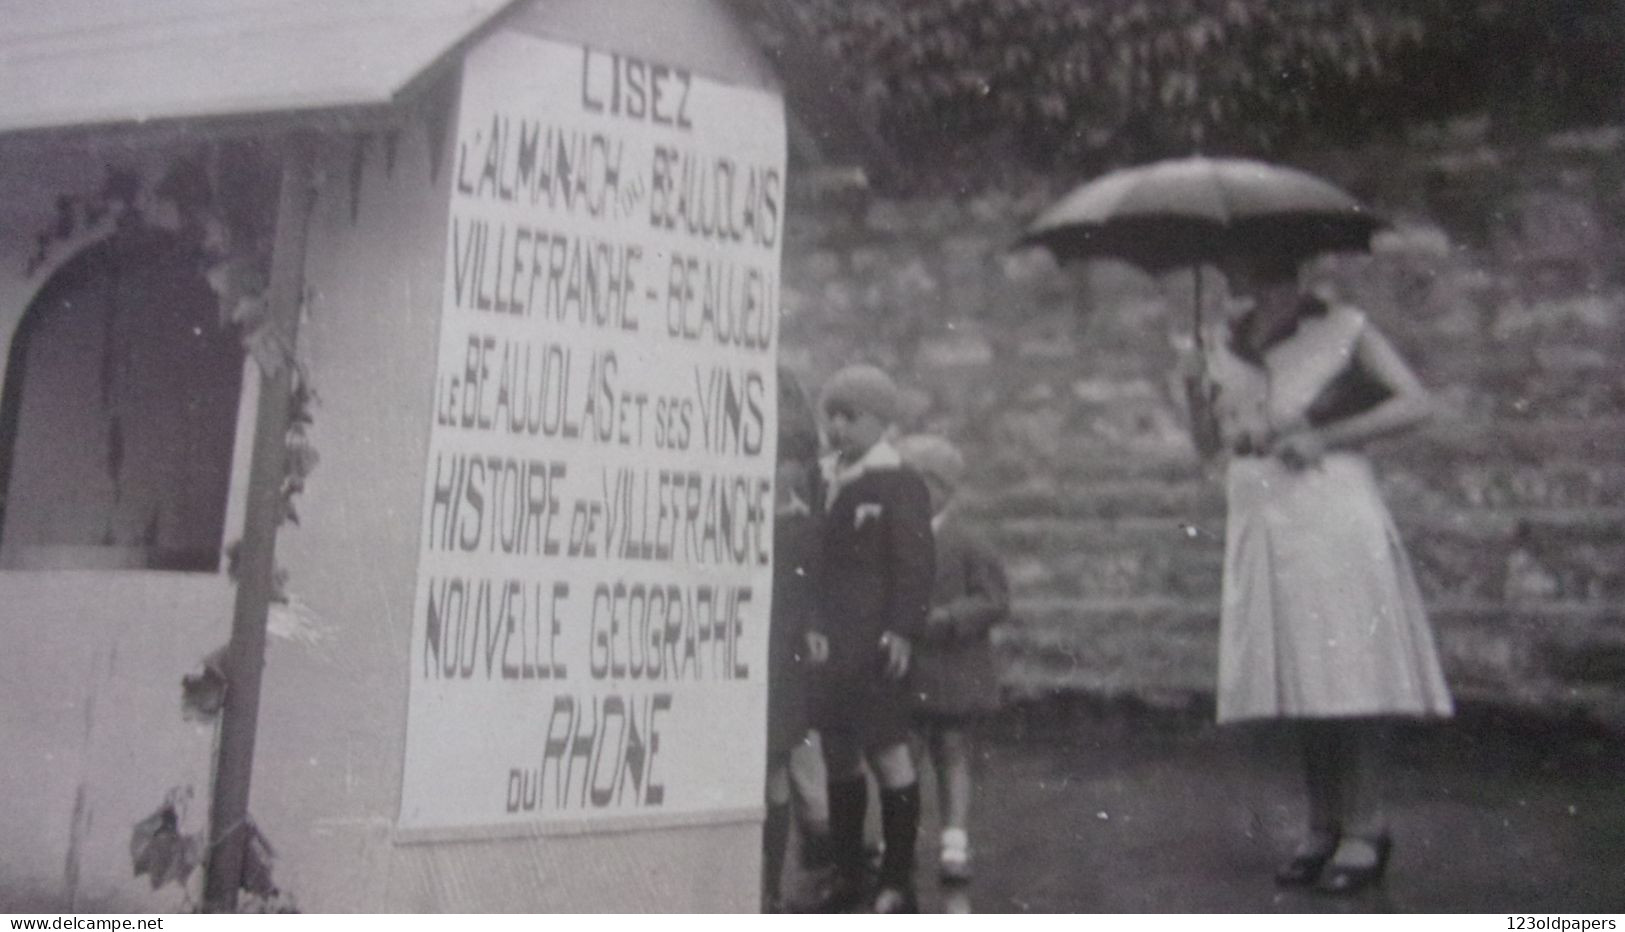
1501, 280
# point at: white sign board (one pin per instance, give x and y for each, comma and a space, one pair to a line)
589, 631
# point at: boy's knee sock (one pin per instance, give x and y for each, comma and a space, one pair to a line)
775, 837
848, 805
899, 825
815, 854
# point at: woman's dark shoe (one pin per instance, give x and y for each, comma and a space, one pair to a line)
1304, 867
1342, 880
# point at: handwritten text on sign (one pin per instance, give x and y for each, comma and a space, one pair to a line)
590, 622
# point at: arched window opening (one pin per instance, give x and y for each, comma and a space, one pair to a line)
119, 413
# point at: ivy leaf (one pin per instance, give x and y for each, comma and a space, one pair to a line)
258, 859
159, 850
269, 349
203, 693
302, 460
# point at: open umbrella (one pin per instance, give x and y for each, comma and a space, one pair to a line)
1193, 210
1196, 210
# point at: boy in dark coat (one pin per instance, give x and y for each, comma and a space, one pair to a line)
874, 592
954, 676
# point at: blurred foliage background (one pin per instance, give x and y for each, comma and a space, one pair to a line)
989, 85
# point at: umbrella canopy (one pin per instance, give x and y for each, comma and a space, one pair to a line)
1193, 210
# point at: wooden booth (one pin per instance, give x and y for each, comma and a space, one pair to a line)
414, 358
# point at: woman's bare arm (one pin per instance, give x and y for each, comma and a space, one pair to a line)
1408, 404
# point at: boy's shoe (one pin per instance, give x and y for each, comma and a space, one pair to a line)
893, 900
956, 900
954, 863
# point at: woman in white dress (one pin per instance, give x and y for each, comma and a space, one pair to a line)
1321, 622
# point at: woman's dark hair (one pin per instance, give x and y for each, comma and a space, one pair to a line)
1308, 306
1265, 265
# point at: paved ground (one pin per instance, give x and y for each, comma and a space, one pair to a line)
1089, 809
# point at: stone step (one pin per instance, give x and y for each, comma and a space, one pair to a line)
1530, 439
1164, 562
1039, 614
1572, 357
1106, 499
1484, 389
1547, 655
1556, 484
1445, 446
1592, 525
1108, 646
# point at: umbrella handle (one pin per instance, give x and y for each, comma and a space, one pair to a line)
1204, 424
1196, 313
1198, 398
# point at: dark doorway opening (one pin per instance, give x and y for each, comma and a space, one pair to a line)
119, 412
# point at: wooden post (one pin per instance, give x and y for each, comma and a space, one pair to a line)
1196, 272
256, 566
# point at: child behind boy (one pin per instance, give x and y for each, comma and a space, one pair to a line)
954, 677
795, 569
873, 594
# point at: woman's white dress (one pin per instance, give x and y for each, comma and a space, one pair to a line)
1321, 615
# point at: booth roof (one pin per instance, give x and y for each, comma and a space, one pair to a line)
67, 63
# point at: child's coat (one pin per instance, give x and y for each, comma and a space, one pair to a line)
954, 673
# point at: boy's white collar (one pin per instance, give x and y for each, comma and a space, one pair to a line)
880, 456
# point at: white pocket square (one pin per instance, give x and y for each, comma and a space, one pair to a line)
865, 514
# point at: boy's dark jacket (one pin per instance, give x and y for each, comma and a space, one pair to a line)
954, 673
795, 573
877, 566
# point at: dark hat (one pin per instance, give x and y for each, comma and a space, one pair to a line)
934, 457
